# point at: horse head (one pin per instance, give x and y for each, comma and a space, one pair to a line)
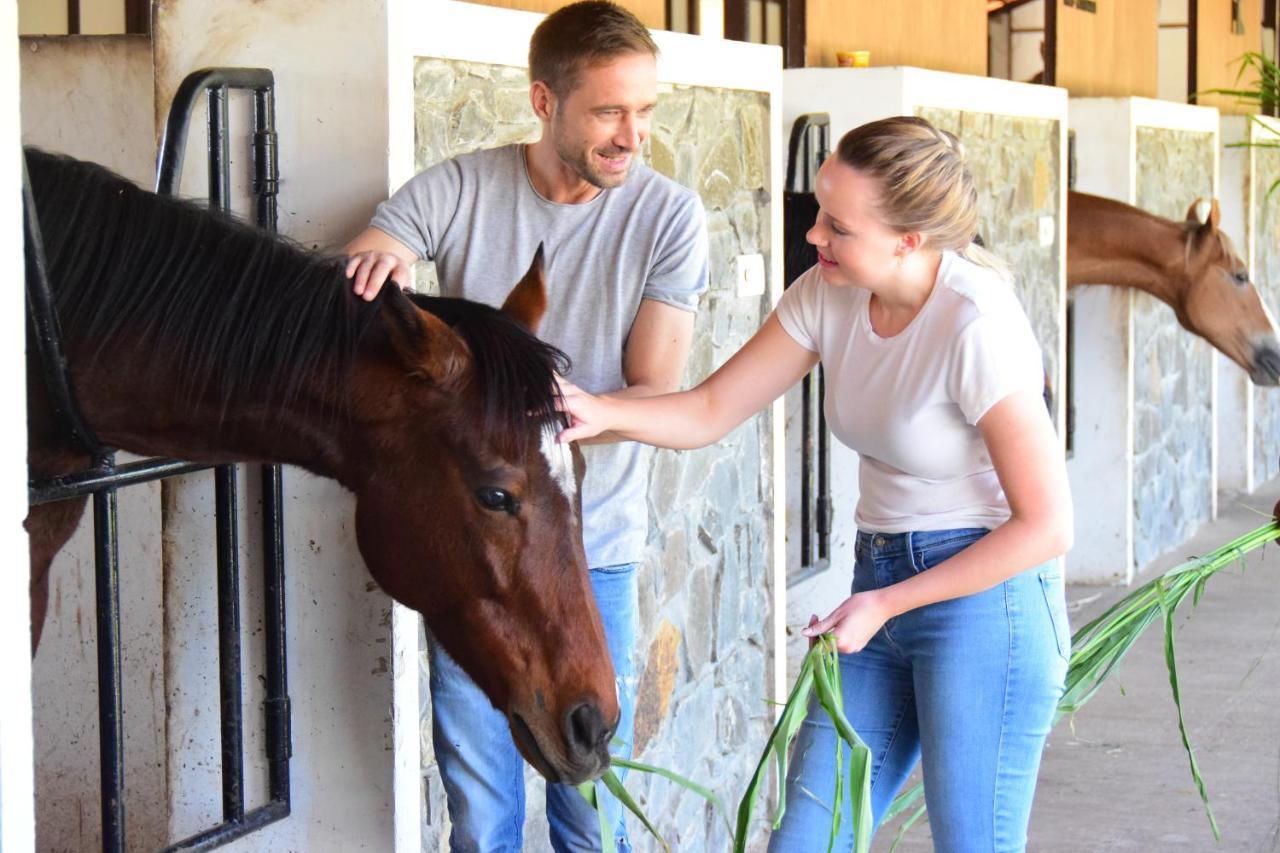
1220, 303
497, 566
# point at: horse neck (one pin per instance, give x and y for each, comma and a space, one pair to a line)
1119, 245
150, 416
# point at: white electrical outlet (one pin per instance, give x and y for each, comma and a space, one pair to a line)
1048, 230
749, 273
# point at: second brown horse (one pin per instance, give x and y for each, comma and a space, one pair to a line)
1191, 266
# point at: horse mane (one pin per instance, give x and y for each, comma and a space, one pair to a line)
239, 312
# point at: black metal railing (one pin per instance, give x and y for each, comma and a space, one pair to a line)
809, 145
104, 478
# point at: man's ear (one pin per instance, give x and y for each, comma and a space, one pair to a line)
527, 302
542, 99
426, 345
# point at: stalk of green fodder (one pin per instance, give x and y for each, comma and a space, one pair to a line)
820, 672
611, 781
1098, 647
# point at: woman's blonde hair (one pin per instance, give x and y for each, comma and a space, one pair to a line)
925, 184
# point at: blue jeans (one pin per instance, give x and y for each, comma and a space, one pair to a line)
482, 771
968, 685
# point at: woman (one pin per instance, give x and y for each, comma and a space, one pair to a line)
954, 642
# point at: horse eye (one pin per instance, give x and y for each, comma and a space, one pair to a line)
496, 500
1242, 277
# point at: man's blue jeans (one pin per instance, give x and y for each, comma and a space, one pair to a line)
970, 685
482, 771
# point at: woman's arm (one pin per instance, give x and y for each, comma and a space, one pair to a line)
765, 367
1028, 460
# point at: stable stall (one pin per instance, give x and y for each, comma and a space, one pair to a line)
1143, 466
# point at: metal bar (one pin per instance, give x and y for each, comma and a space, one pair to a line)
806, 470
266, 168
73, 17
219, 150
823, 508
110, 700
91, 480
173, 143
228, 832
1193, 47
229, 644
276, 706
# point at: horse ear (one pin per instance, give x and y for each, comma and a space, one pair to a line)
527, 301
425, 343
1204, 214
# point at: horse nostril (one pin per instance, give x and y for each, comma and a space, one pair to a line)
1268, 360
585, 730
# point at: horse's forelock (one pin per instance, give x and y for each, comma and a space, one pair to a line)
513, 374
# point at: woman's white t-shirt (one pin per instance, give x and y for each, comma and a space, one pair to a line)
909, 404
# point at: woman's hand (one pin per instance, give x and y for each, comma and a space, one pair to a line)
854, 622
587, 413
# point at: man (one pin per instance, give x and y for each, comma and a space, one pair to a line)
626, 258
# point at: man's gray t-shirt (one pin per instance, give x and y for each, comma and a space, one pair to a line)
480, 219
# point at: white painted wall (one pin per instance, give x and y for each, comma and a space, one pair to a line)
91, 97
1235, 391
1172, 51
17, 816
854, 96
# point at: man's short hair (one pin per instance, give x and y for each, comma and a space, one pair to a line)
590, 32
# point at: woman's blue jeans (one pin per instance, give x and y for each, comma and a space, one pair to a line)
969, 686
483, 774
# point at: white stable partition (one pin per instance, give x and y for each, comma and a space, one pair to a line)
17, 804
854, 96
1123, 519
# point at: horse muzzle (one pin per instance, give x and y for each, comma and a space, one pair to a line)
1265, 367
576, 751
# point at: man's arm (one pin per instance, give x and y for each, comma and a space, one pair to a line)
376, 256
655, 355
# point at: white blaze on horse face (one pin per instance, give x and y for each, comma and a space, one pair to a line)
560, 461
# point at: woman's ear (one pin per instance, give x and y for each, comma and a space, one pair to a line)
910, 242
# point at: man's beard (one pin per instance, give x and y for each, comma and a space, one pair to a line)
580, 162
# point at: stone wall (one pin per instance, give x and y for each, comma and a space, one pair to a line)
1266, 275
1016, 165
1173, 369
705, 585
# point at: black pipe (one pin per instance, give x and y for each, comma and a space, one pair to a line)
276, 706
90, 480
173, 143
230, 700
225, 833
110, 700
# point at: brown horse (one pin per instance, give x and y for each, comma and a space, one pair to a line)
193, 336
1191, 266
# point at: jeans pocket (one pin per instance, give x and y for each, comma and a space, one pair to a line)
933, 555
1055, 600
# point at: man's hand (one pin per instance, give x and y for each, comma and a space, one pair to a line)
372, 269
